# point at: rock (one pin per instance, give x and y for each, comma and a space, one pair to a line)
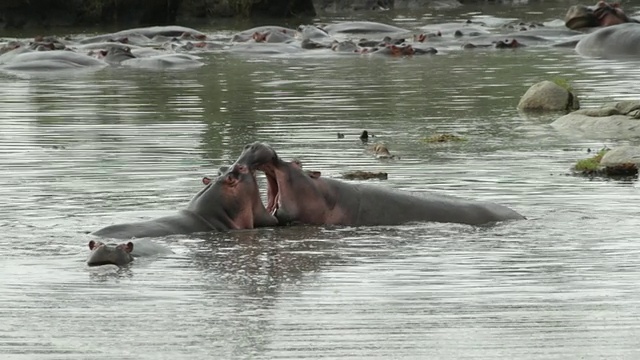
618, 120
364, 175
621, 162
548, 96
442, 138
621, 156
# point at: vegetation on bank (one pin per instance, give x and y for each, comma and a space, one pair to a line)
591, 167
563, 83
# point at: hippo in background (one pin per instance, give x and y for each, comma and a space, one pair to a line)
24, 59
147, 33
123, 254
612, 42
601, 14
298, 196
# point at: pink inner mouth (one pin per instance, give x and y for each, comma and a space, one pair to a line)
273, 194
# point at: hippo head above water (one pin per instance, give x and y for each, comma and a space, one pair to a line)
602, 14
103, 254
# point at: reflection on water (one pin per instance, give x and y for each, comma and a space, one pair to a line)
118, 145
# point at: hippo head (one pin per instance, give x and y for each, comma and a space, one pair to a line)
103, 254
117, 54
602, 14
292, 193
232, 200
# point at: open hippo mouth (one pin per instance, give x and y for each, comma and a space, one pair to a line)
273, 189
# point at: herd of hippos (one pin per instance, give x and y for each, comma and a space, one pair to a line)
232, 201
603, 30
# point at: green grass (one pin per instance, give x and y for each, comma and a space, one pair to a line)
591, 164
563, 83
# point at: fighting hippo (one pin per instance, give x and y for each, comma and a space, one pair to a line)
297, 196
602, 14
122, 254
617, 41
231, 201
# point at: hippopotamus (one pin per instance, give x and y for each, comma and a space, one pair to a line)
29, 60
298, 196
231, 201
117, 54
164, 61
247, 35
146, 32
602, 14
122, 254
500, 44
617, 41
361, 27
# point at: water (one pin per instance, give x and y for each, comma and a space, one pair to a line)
85, 150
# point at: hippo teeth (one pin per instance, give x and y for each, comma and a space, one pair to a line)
276, 204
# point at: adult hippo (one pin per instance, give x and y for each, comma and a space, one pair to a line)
27, 60
164, 61
231, 201
602, 14
362, 27
123, 254
611, 42
305, 197
247, 35
146, 32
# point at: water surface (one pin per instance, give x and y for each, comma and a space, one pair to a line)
85, 150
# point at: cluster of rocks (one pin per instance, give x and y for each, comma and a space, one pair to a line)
615, 120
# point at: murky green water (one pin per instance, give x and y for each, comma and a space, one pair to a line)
84, 150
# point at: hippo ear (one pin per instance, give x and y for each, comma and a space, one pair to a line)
297, 163
230, 180
129, 247
314, 174
206, 180
92, 244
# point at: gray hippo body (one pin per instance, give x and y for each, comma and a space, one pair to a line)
362, 27
123, 254
24, 60
231, 201
616, 41
306, 197
148, 32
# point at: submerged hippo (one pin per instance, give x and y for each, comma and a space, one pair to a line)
617, 41
231, 201
147, 32
122, 254
22, 59
297, 196
602, 14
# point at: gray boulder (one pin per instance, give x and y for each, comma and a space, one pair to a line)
548, 96
618, 120
622, 155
